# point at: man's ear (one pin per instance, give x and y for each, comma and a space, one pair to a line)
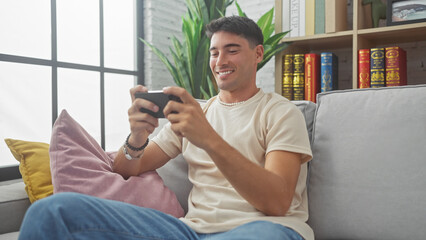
259, 53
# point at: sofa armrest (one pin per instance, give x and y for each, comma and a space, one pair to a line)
14, 203
367, 175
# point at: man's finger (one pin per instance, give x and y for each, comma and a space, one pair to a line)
179, 92
138, 88
143, 103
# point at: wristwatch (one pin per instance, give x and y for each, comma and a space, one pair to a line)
128, 156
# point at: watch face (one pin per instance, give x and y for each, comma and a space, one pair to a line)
126, 154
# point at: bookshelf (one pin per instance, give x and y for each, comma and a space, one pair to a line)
361, 34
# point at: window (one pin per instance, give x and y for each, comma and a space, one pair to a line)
79, 55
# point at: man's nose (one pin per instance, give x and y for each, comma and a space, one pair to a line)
221, 59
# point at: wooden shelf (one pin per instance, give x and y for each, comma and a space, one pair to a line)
347, 44
395, 34
322, 41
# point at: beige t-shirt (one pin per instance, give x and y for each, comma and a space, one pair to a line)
264, 123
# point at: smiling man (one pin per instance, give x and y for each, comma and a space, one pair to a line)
246, 151
233, 61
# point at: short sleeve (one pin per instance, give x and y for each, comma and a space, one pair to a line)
168, 141
286, 130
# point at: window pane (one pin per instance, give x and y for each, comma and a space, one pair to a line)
119, 32
117, 102
78, 31
79, 94
25, 105
25, 28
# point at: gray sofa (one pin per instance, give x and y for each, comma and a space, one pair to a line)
368, 176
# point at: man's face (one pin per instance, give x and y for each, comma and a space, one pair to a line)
232, 61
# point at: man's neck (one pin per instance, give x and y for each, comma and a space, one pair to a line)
237, 96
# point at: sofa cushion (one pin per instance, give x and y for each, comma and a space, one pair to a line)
13, 205
79, 164
34, 167
9, 236
308, 110
367, 176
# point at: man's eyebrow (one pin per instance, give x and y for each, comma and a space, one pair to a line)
227, 46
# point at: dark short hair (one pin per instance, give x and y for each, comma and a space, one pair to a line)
241, 26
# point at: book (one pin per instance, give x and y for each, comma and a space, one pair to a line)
377, 67
312, 76
336, 13
294, 18
285, 17
319, 16
299, 77
310, 17
329, 77
396, 66
287, 90
364, 68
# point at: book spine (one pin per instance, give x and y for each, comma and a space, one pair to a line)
396, 66
294, 18
286, 16
329, 75
377, 67
310, 17
335, 15
319, 16
312, 76
364, 68
299, 77
287, 90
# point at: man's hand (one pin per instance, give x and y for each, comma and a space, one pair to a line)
189, 121
141, 124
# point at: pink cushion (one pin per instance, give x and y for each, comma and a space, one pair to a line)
79, 164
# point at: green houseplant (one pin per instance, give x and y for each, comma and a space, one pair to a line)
190, 57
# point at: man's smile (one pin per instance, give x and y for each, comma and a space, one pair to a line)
225, 72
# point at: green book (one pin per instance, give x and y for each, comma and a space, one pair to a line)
319, 16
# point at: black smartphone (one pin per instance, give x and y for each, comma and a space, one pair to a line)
158, 98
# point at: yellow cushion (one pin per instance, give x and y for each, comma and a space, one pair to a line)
34, 167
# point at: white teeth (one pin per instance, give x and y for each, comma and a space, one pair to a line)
223, 73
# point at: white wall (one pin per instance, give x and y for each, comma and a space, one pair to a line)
163, 20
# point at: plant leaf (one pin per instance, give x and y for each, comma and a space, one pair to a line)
163, 58
275, 39
240, 12
178, 56
265, 23
201, 66
204, 12
192, 8
212, 9
266, 19
181, 71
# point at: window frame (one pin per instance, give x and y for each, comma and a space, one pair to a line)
9, 172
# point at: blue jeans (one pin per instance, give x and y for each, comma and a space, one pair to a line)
78, 216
